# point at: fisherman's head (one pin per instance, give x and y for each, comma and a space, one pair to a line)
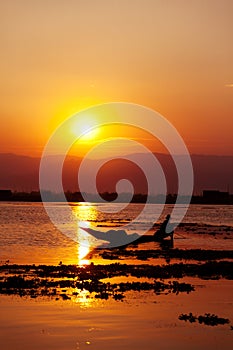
168, 217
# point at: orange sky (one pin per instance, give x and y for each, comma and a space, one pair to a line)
59, 56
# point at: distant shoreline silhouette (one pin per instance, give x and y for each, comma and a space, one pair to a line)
207, 197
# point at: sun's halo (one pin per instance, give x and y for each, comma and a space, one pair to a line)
86, 131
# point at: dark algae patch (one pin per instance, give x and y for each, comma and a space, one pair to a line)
65, 281
69, 281
206, 319
182, 254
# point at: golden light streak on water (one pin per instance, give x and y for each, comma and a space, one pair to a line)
84, 299
85, 212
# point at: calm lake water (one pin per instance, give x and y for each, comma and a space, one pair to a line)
28, 236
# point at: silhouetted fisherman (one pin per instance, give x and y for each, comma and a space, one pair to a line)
163, 230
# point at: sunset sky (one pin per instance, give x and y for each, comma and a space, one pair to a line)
60, 56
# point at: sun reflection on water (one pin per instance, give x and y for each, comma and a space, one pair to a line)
82, 252
84, 212
83, 298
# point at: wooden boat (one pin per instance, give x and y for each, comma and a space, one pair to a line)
120, 237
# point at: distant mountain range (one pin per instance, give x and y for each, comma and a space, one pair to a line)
21, 173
